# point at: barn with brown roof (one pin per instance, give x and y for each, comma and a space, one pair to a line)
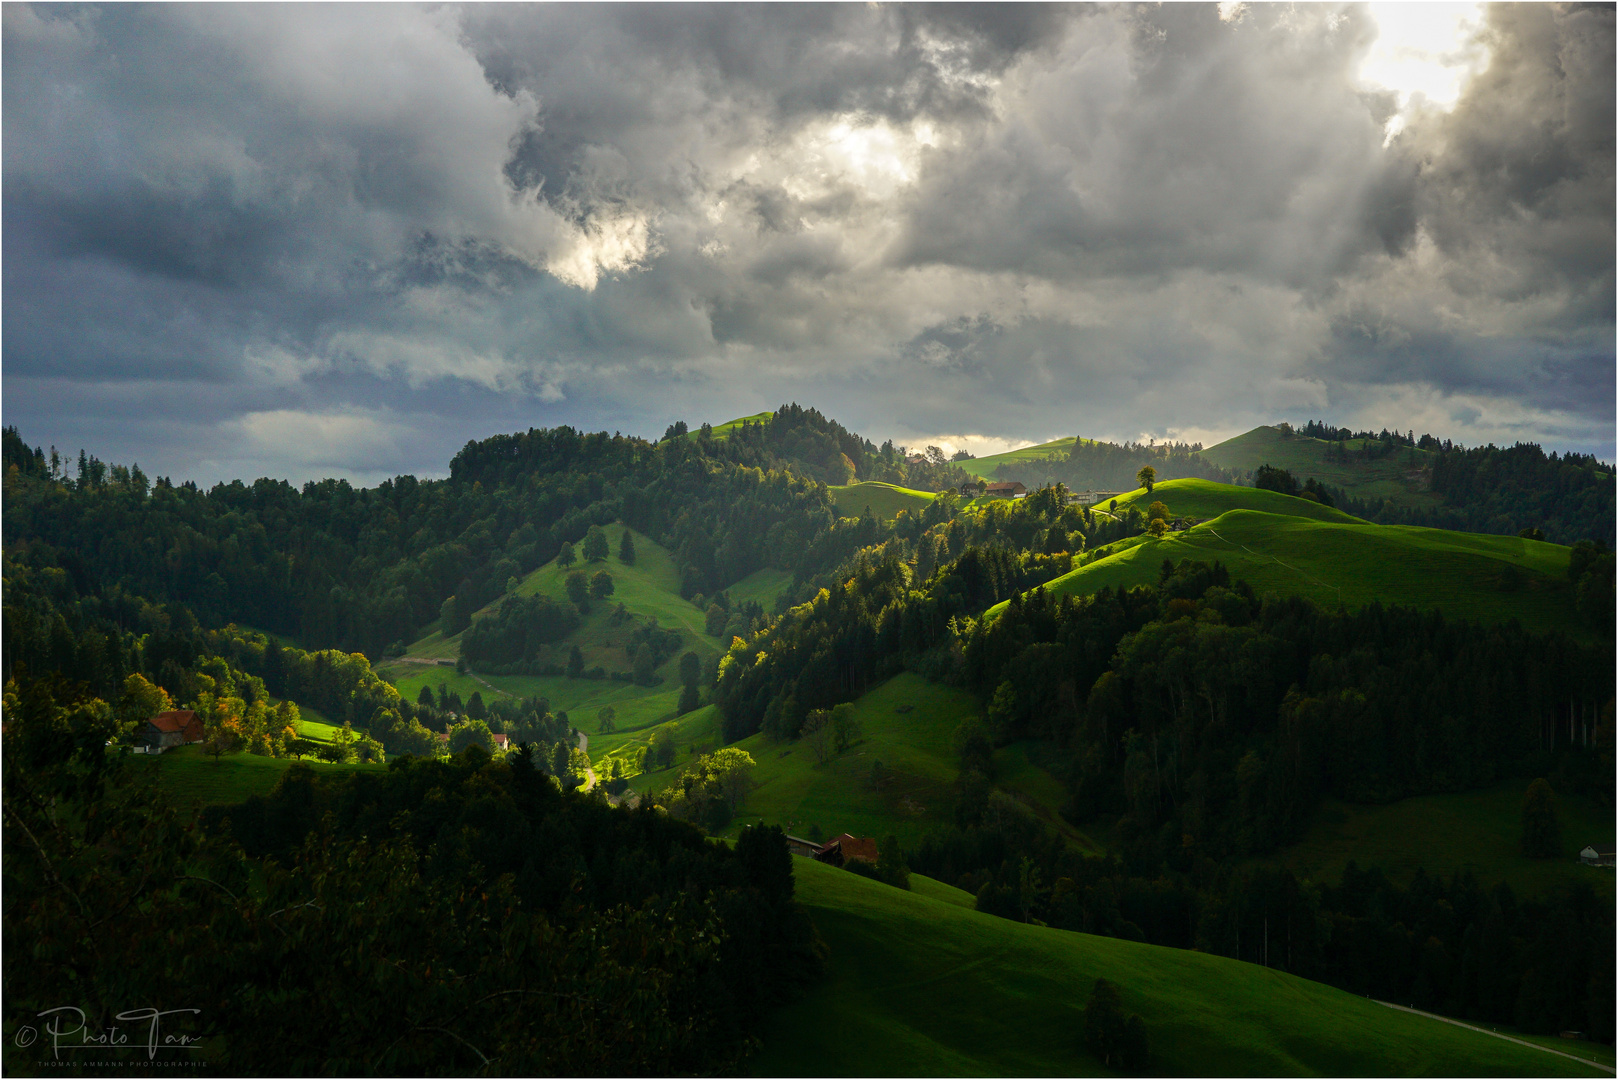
841, 849
165, 730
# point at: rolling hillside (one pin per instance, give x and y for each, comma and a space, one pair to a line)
1397, 476
1333, 559
985, 466
1200, 499
885, 500
919, 984
649, 588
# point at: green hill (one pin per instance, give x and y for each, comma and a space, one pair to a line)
1399, 476
985, 466
885, 500
918, 768
918, 984
1333, 559
1200, 499
649, 588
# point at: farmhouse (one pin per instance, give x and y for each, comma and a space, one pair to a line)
799, 846
1091, 498
502, 741
845, 847
969, 490
1006, 489
1597, 856
165, 730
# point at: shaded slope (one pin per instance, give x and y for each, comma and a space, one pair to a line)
922, 986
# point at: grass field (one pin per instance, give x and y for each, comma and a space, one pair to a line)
1445, 834
649, 587
1467, 575
1397, 477
920, 985
761, 587
796, 792
885, 500
985, 466
194, 778
1201, 499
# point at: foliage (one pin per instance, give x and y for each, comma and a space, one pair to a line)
513, 634
1541, 836
1119, 1040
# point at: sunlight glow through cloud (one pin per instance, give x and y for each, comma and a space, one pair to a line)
1425, 52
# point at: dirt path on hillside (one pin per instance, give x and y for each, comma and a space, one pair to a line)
1520, 1042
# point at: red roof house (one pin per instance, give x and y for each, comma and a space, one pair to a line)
1006, 489
845, 847
502, 741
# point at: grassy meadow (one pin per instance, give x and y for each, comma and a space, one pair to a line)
919, 984
1446, 834
918, 768
1398, 476
194, 778
1333, 562
649, 588
885, 500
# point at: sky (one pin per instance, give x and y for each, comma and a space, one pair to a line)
321, 240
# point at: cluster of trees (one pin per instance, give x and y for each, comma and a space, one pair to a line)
1207, 721
711, 789
1269, 478
413, 904
510, 639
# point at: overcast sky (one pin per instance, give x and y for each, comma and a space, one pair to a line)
315, 240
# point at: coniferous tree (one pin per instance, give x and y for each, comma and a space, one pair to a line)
1541, 835
626, 549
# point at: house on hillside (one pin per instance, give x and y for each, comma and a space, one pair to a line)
841, 849
916, 459
1090, 498
969, 490
501, 741
1597, 856
1179, 524
801, 847
1006, 489
169, 729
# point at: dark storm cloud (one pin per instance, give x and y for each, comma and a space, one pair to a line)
320, 239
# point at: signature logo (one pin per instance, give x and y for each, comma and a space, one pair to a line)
65, 1027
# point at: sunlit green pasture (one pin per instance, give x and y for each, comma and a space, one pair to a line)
885, 500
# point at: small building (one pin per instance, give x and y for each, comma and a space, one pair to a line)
801, 847
166, 730
969, 490
1179, 524
1597, 856
502, 741
1006, 489
916, 459
1090, 498
845, 847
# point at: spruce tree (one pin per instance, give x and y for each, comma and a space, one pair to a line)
626, 549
